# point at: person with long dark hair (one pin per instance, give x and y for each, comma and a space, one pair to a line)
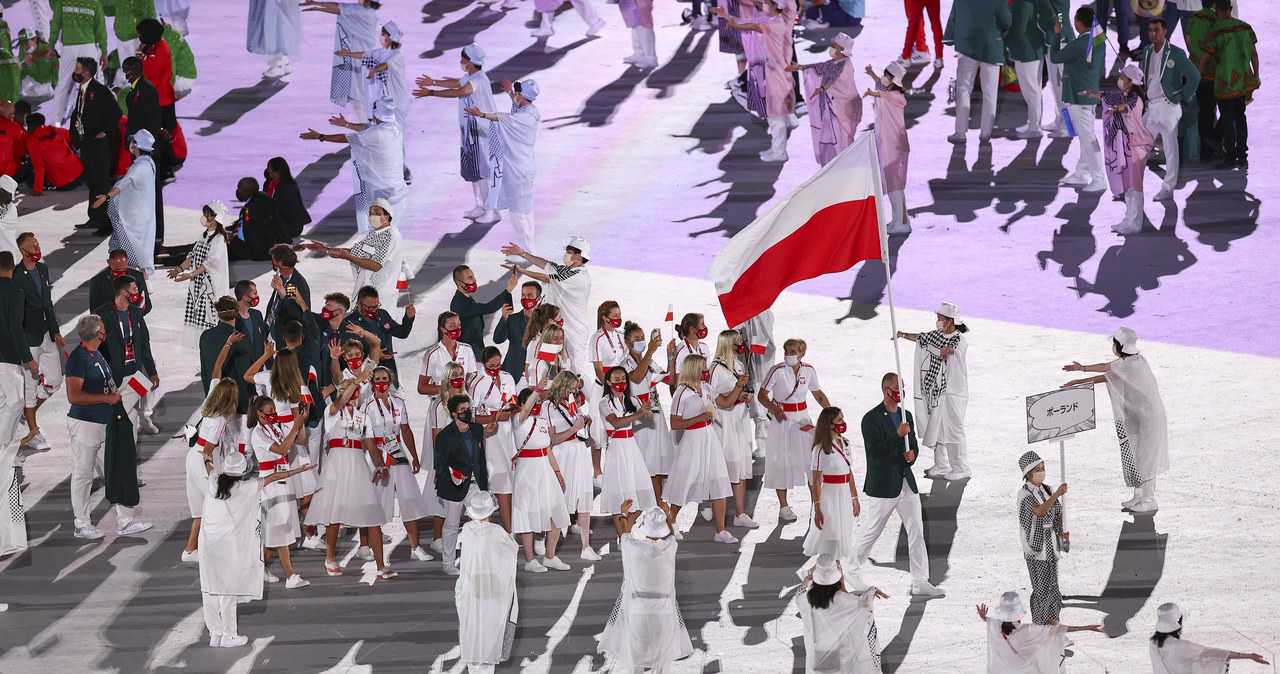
625, 476
286, 198
568, 409
211, 433
1171, 655
1014, 646
834, 505
839, 627
271, 443
537, 498
493, 393
206, 269
653, 435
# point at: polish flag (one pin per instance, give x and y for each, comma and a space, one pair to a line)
826, 225
402, 283
311, 374
306, 395
671, 313
457, 476
758, 349
548, 352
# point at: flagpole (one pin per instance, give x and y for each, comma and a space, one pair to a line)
888, 282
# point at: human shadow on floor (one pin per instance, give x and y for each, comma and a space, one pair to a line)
1220, 210
1136, 264
434, 10
1135, 572
600, 107
868, 290
317, 175
682, 65
463, 31
1031, 178
750, 181
534, 58
964, 190
919, 99
236, 103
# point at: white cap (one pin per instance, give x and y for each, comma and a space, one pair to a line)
529, 89
825, 571
385, 109
235, 464
951, 311
1134, 72
1168, 618
474, 53
220, 212
480, 505
144, 140
582, 245
652, 523
1128, 340
8, 184
896, 72
384, 205
843, 41
1010, 608
393, 31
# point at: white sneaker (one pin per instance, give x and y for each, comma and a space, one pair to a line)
90, 532
534, 567
554, 563
543, 32
148, 426
1095, 185
590, 555
575, 529
793, 122
510, 4
937, 64
450, 569
770, 156
955, 475
295, 581
853, 580
1074, 179
725, 537
420, 555
633, 59
1124, 229
1055, 125
1163, 195
677, 535
700, 23
215, 640
706, 513
365, 552
647, 64
1028, 134
540, 546
312, 543
898, 228
957, 138
192, 556
786, 513
598, 481
595, 28
134, 527
905, 63
927, 589
474, 213
233, 641
920, 57
810, 24
937, 471
268, 577
437, 545
1059, 133
38, 442
1146, 505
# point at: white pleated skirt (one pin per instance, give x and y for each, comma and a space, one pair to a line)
700, 471
836, 535
625, 476
653, 436
401, 489
346, 494
537, 503
736, 435
574, 457
304, 484
788, 454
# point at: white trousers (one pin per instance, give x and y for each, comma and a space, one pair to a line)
66, 65
12, 380
1090, 161
586, 11
452, 525
88, 442
966, 72
1055, 86
897, 210
952, 456
220, 614
907, 505
48, 357
480, 669
480, 189
1161, 119
522, 223
1032, 91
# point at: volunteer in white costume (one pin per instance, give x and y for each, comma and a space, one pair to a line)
646, 629
568, 410
727, 381
485, 594
1042, 537
378, 259
231, 546
626, 477
377, 159
9, 216
784, 392
132, 206
1017, 648
355, 30
388, 436
206, 268
472, 90
1141, 423
215, 431
1171, 655
653, 435
840, 635
537, 498
383, 71
834, 505
493, 394
275, 29
512, 158
270, 443
700, 472
569, 287
942, 392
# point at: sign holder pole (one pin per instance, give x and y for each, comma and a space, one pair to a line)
1062, 462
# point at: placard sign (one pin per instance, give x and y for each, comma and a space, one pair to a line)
1065, 411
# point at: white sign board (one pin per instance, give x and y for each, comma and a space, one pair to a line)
1065, 411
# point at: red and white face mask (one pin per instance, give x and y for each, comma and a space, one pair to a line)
706, 375
536, 409
326, 314
253, 301
619, 386
528, 303
841, 428
492, 371
382, 386
457, 383
271, 419
353, 364
135, 298
371, 314
741, 348
35, 257
470, 287
117, 274
702, 333
615, 323
453, 334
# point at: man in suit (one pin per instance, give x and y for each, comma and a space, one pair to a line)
512, 325
1081, 72
258, 230
470, 311
94, 122
890, 487
101, 285
1171, 80
976, 32
143, 104
79, 29
127, 348
286, 283
460, 470
249, 320
43, 334
370, 315
15, 355
238, 360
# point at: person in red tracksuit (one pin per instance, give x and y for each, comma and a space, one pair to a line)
915, 33
12, 141
53, 162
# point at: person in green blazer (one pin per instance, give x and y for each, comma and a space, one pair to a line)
1081, 73
1025, 42
1171, 82
975, 31
890, 444
1058, 10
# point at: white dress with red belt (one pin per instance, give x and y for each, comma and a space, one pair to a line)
537, 503
700, 471
383, 419
836, 535
279, 503
347, 494
625, 476
787, 456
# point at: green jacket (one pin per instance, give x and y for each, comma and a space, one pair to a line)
1078, 74
43, 68
184, 62
1181, 78
127, 14
1025, 39
78, 22
887, 466
1195, 29
1057, 9
977, 31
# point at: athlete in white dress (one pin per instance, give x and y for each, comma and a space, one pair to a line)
784, 392
389, 438
727, 381
652, 434
537, 498
605, 349
626, 477
271, 443
700, 472
214, 431
493, 394
832, 488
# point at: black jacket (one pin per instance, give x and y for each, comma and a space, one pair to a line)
472, 314
886, 464
287, 200
387, 331
99, 112
282, 307
255, 339
143, 104
112, 348
262, 230
511, 329
101, 292
13, 342
39, 320
451, 454
238, 361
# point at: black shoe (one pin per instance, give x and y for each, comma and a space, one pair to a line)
105, 230
87, 225
1226, 165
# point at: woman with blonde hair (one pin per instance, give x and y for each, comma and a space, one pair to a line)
538, 365
727, 380
219, 409
284, 383
834, 504
573, 454
700, 472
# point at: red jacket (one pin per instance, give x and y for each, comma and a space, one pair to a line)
52, 158
12, 146
157, 67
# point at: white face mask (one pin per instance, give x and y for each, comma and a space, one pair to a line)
884, 79
568, 258
1036, 477
942, 324
792, 360
379, 221
638, 347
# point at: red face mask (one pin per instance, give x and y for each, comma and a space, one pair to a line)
615, 323
135, 298
559, 322
470, 287
253, 301
492, 371
271, 418
381, 386
706, 376
702, 334
528, 303
741, 348
353, 364
35, 257
895, 395
457, 383
326, 314
536, 409
841, 428
453, 334
117, 274
371, 315
619, 386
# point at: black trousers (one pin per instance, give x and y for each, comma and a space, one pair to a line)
1208, 116
96, 157
1234, 128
